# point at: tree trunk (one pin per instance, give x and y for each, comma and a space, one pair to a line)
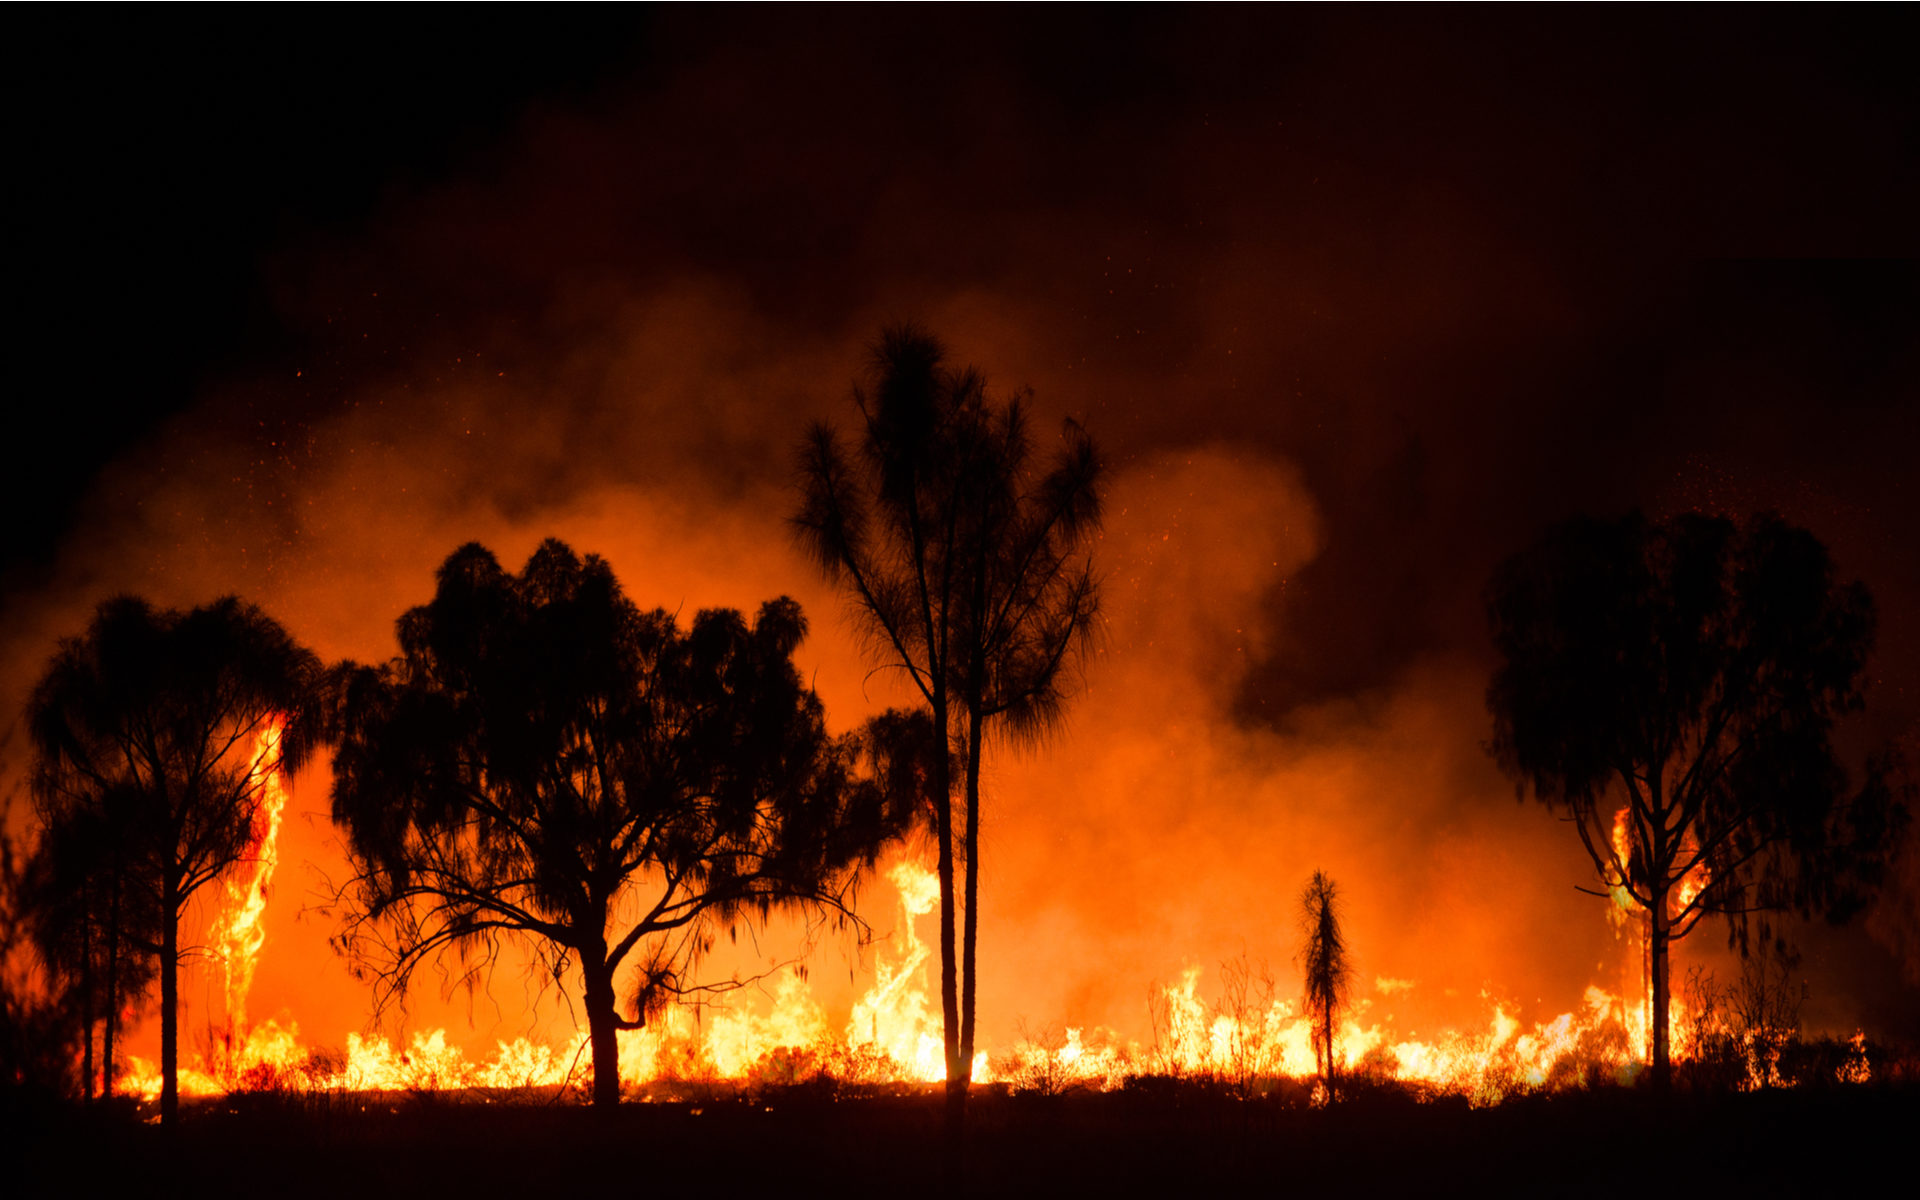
86, 1052
1326, 1036
112, 1027
949, 966
1659, 927
603, 1026
970, 936
113, 988
86, 996
169, 1004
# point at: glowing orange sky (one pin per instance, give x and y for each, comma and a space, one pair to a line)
1154, 834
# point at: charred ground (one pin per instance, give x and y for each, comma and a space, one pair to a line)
1161, 1135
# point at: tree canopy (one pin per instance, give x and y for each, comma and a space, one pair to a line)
546, 761
970, 570
1672, 687
154, 736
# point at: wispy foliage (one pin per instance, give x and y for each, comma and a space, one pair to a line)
1672, 688
1327, 966
547, 762
970, 571
152, 756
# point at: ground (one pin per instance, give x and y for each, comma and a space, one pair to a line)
1608, 1143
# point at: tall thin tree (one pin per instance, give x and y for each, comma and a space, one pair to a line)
166, 717
1328, 968
93, 924
970, 572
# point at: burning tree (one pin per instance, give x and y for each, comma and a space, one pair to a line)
148, 763
548, 763
967, 569
1327, 965
1672, 687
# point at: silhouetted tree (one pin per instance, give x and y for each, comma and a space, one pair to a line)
1328, 968
57, 911
159, 722
94, 922
37, 1025
1672, 686
547, 762
970, 575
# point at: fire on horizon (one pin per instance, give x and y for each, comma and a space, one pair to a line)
1351, 322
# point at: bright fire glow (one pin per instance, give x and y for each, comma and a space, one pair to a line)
892, 1037
237, 933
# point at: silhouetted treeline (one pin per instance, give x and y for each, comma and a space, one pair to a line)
548, 764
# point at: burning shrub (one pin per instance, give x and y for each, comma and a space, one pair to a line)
1055, 1061
863, 1065
1594, 1060
785, 1067
1741, 1036
1378, 1065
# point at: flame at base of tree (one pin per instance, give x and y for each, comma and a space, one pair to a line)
238, 933
1246, 1041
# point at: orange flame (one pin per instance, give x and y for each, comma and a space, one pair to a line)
237, 933
893, 1036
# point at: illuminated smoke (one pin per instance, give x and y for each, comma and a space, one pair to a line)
1304, 505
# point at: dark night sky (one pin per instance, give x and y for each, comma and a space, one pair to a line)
1522, 264
1466, 272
